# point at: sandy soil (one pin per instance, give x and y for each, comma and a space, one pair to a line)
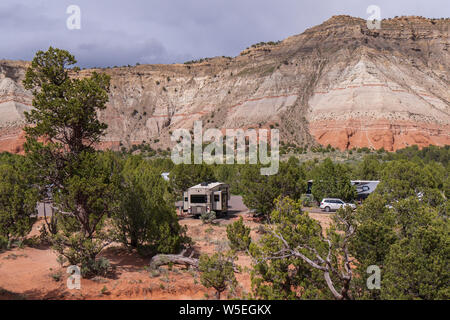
34, 273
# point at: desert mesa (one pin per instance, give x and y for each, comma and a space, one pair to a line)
337, 83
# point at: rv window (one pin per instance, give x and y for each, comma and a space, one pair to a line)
216, 197
198, 198
186, 199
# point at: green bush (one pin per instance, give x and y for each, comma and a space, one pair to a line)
307, 200
332, 180
238, 235
147, 219
4, 243
98, 267
57, 276
18, 199
208, 217
217, 271
259, 191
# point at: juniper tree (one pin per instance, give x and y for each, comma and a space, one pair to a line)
260, 191
296, 259
238, 235
333, 181
401, 179
408, 242
146, 218
183, 176
217, 271
63, 129
18, 199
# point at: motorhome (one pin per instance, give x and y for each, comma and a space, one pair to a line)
206, 197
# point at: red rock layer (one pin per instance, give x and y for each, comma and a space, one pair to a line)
387, 134
12, 140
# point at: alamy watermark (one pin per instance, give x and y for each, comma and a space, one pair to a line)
374, 20
73, 22
235, 146
374, 280
74, 280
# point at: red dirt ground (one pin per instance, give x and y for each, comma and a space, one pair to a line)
32, 273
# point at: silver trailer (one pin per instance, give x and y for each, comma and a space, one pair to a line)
206, 197
364, 187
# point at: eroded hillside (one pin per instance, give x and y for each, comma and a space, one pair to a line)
338, 83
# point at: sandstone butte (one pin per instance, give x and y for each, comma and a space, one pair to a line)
337, 83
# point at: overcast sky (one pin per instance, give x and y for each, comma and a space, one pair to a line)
118, 32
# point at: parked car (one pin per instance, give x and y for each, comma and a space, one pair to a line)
329, 204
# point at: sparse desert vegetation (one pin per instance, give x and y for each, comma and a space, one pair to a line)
113, 215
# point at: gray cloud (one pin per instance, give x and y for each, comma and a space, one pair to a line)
156, 31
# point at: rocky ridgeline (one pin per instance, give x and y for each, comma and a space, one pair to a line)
338, 83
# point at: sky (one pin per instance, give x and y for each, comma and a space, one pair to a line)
116, 33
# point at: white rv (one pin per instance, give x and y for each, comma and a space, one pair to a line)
206, 197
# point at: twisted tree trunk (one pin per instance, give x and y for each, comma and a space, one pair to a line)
164, 259
184, 258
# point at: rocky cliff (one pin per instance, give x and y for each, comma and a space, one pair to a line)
338, 83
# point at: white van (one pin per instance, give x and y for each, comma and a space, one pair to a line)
329, 204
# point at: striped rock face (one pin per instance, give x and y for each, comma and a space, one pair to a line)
14, 100
338, 83
367, 104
